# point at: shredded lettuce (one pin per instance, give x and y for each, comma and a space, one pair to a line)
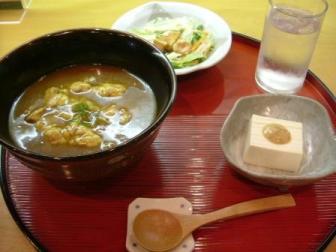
193, 45
189, 59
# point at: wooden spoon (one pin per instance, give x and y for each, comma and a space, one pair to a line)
160, 230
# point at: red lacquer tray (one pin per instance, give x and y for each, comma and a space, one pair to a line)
185, 160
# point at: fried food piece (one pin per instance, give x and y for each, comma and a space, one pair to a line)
53, 135
50, 92
58, 100
56, 97
162, 45
80, 87
125, 116
73, 135
111, 90
82, 136
166, 40
182, 47
64, 116
35, 115
42, 125
111, 110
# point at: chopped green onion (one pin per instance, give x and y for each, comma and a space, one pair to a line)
80, 107
196, 36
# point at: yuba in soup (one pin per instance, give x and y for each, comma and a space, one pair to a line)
80, 110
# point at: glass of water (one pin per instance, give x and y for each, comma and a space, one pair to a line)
290, 34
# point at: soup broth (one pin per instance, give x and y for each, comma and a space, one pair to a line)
80, 110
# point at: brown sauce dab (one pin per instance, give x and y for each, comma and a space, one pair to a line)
276, 133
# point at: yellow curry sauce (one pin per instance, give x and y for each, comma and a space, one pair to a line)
80, 110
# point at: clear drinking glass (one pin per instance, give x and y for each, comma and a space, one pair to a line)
13, 11
290, 34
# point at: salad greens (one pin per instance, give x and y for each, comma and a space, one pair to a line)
184, 40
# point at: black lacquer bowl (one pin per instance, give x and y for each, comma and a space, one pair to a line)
28, 63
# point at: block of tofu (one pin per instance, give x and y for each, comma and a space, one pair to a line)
274, 143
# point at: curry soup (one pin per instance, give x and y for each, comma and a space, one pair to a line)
80, 110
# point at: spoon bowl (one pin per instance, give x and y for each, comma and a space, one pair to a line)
160, 230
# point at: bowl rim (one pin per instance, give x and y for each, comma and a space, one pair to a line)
287, 178
155, 124
209, 62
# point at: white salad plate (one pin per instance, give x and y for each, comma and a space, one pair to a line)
216, 25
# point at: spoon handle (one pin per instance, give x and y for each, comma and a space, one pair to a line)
244, 208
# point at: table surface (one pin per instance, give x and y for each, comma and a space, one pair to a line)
243, 16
